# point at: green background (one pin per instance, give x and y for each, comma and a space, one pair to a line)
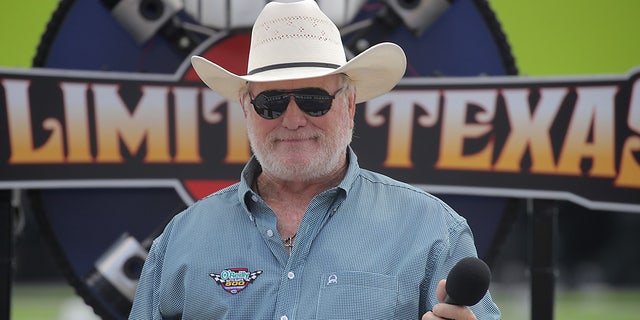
548, 37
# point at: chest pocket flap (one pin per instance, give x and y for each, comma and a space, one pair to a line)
357, 295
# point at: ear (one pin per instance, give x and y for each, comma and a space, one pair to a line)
244, 102
352, 106
244, 109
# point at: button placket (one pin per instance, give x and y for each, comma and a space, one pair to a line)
316, 216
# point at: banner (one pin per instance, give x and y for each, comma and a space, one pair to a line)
575, 139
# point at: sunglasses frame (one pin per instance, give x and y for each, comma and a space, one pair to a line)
303, 97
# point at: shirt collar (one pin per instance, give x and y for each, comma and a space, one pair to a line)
353, 170
249, 172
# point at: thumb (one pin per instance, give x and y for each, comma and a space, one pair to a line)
441, 290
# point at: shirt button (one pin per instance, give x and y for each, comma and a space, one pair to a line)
269, 233
251, 218
284, 318
291, 275
254, 198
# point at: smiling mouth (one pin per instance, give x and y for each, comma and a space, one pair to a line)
296, 139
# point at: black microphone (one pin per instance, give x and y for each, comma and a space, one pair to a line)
467, 282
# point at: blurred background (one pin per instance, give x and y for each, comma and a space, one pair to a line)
598, 260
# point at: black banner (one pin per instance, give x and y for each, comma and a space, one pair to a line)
576, 139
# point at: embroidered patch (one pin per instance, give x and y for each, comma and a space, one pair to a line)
234, 280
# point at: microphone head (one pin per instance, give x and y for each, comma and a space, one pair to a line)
468, 281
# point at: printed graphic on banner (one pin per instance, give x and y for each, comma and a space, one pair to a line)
575, 139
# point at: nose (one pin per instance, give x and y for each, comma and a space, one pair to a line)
293, 117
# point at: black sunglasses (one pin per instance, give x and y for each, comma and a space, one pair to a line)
271, 104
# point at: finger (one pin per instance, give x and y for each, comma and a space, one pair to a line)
430, 316
441, 290
450, 311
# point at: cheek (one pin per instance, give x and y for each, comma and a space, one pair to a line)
344, 118
260, 126
338, 125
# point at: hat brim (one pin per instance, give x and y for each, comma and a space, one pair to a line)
374, 72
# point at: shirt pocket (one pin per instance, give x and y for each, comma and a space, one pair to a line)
357, 295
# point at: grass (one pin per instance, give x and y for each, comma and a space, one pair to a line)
52, 301
596, 304
584, 304
47, 302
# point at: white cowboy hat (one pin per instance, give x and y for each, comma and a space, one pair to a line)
296, 41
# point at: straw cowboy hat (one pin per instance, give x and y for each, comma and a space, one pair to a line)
297, 40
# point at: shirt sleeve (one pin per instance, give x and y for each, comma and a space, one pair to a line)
459, 243
146, 300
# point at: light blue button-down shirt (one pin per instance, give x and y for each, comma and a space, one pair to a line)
370, 248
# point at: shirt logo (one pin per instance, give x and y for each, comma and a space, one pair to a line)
333, 279
234, 280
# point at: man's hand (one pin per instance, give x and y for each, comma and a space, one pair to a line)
447, 311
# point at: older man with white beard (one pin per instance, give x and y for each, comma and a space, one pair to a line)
307, 233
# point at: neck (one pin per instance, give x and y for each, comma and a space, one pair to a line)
272, 188
289, 199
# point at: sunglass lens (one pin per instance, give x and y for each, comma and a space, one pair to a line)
271, 104
315, 102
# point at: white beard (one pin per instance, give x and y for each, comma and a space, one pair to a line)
328, 158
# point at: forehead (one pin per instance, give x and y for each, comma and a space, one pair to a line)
326, 82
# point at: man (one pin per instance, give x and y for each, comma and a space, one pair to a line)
307, 233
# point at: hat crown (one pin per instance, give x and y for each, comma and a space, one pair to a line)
299, 34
